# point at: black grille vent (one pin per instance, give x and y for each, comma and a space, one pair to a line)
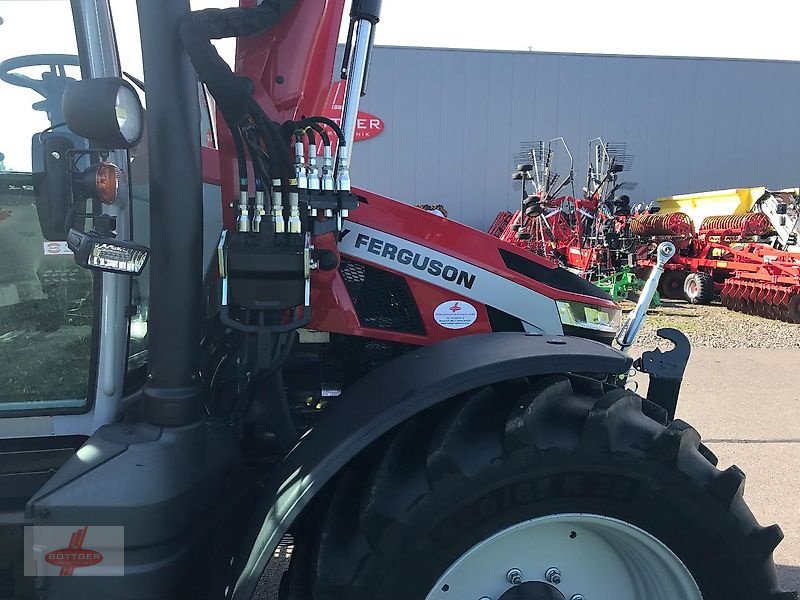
382, 299
558, 278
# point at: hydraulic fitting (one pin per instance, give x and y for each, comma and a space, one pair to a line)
327, 169
243, 220
343, 173
300, 164
277, 207
260, 212
313, 169
294, 213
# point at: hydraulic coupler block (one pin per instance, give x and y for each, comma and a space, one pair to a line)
267, 272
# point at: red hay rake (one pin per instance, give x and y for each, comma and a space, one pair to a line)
599, 234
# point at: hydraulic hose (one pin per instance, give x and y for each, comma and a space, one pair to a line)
326, 121
326, 140
232, 93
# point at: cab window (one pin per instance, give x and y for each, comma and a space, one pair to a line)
46, 307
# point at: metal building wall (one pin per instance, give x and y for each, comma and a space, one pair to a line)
454, 118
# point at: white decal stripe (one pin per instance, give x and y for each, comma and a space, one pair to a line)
487, 288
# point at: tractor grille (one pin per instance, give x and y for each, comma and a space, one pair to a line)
382, 299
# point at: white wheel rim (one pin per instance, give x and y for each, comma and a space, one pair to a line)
598, 557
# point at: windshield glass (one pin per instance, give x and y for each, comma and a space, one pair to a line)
45, 298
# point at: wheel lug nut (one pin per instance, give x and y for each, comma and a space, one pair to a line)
514, 577
553, 575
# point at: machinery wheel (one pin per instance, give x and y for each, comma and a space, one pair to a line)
794, 309
548, 489
699, 288
671, 284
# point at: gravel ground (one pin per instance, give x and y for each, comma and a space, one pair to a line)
714, 326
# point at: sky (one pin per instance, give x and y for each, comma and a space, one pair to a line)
718, 28
766, 29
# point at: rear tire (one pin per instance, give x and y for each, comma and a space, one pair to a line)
699, 288
449, 479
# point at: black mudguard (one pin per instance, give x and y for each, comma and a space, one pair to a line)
387, 397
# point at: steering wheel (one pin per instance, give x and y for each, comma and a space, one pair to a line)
57, 63
51, 84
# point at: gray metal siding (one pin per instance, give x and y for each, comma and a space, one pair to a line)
455, 117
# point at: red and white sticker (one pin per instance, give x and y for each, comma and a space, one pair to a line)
56, 249
455, 314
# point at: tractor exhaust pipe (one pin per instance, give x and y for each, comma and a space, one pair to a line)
633, 323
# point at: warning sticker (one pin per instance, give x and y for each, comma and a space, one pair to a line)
455, 314
56, 248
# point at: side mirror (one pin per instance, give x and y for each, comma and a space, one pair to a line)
62, 188
106, 110
51, 183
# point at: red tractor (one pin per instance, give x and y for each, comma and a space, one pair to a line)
421, 410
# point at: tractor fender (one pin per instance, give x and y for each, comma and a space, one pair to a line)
390, 395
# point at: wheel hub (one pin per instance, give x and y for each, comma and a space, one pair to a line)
582, 553
533, 590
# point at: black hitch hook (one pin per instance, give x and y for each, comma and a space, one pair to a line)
665, 369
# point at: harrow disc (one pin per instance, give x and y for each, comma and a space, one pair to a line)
726, 296
768, 300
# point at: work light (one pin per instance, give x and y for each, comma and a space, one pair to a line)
95, 251
105, 110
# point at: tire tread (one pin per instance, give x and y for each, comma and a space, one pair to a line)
373, 511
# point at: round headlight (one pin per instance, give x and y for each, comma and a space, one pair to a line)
129, 114
105, 110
